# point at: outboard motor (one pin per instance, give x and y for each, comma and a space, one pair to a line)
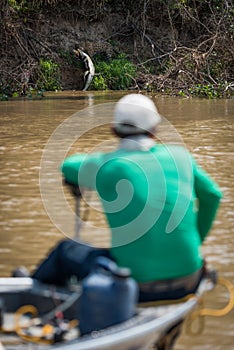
109, 296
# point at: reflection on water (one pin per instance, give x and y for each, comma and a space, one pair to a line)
27, 233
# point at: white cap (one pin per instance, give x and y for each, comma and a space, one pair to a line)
135, 113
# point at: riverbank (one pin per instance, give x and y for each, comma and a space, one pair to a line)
172, 47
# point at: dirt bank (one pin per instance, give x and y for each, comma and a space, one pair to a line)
177, 47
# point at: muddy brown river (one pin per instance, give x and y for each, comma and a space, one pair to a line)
36, 133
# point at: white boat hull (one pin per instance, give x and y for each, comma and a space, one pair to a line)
138, 333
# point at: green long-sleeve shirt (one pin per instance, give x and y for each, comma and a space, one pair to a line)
159, 205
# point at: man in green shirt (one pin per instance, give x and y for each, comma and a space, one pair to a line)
159, 204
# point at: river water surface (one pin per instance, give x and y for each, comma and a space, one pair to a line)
28, 230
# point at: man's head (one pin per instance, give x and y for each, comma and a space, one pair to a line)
135, 114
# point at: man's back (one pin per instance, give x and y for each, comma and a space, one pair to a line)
149, 201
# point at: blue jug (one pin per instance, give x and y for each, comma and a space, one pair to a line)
109, 296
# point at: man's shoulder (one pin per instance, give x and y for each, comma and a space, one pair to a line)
174, 149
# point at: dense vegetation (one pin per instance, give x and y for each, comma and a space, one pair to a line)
181, 47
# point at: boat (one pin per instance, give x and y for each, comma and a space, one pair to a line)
22, 296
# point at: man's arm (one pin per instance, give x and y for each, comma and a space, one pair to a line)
209, 196
70, 168
81, 170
